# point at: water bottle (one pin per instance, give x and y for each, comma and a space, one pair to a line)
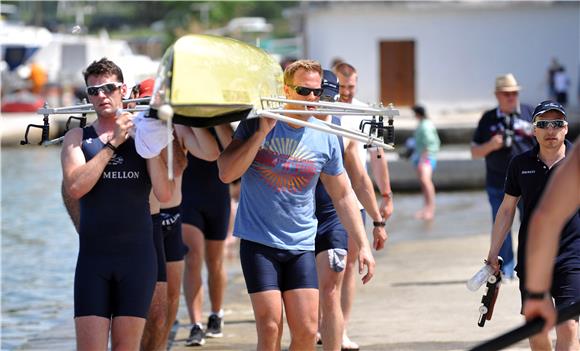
480, 277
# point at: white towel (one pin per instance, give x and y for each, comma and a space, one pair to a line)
150, 135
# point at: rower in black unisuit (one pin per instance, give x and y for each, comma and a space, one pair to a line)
116, 268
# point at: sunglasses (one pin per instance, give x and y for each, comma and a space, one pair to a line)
304, 91
106, 88
556, 124
509, 93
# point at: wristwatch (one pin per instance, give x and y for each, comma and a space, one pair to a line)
528, 295
111, 146
379, 223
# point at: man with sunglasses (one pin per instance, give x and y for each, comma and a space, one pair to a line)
116, 268
527, 176
557, 213
280, 165
502, 133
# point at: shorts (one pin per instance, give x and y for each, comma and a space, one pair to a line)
417, 159
565, 288
159, 248
172, 239
330, 234
111, 286
267, 268
210, 214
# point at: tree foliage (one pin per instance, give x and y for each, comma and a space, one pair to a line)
163, 19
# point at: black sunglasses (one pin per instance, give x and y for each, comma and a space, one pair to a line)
304, 91
556, 124
106, 88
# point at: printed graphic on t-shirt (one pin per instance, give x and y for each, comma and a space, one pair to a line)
285, 165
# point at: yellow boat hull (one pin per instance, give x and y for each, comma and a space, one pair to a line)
209, 80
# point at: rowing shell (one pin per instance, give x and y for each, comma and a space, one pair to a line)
210, 80
206, 80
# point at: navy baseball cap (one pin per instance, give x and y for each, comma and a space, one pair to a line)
546, 106
330, 86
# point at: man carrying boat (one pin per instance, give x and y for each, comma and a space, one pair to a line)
280, 165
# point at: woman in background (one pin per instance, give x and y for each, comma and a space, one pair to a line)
424, 159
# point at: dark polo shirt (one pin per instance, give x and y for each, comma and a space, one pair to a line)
527, 177
494, 122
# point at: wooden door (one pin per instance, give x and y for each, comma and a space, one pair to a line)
398, 72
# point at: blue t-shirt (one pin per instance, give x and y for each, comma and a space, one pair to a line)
527, 177
277, 205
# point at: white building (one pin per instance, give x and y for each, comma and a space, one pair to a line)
446, 54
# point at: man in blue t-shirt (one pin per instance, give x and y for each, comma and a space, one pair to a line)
280, 165
502, 133
527, 176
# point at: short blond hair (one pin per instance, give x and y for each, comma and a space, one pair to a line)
307, 65
345, 69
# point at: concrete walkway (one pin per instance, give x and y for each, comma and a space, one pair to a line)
416, 301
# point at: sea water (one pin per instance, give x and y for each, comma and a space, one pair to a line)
39, 245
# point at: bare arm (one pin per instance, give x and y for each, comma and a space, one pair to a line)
72, 208
345, 204
482, 150
225, 134
198, 141
80, 176
503, 223
363, 188
179, 158
380, 169
239, 155
161, 185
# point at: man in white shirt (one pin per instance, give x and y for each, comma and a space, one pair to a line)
348, 77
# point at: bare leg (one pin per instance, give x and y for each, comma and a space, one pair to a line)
540, 342
126, 333
192, 284
567, 336
349, 289
153, 335
92, 333
424, 172
230, 239
216, 274
174, 274
302, 317
267, 307
331, 323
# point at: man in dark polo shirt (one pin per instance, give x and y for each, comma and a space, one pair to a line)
502, 133
559, 204
527, 176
